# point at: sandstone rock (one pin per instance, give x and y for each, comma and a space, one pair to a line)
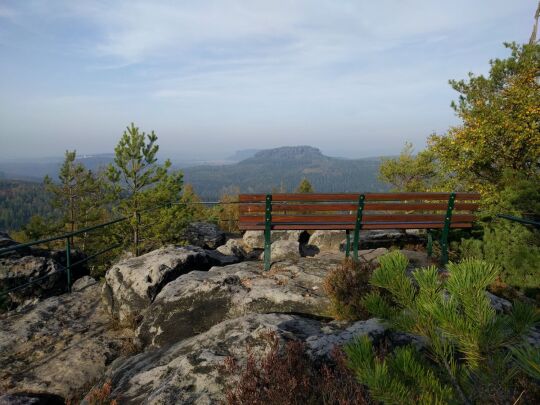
131, 285
373, 254
204, 234
284, 249
59, 346
15, 271
498, 303
322, 344
216, 258
190, 371
327, 240
372, 239
233, 247
45, 268
255, 239
82, 283
198, 300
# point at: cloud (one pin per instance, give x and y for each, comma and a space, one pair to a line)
134, 31
290, 70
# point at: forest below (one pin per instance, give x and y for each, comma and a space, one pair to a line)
19, 201
272, 170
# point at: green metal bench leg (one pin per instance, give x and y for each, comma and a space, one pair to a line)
348, 243
358, 226
267, 232
446, 229
429, 243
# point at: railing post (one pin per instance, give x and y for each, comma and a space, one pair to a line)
68, 263
358, 225
267, 232
446, 229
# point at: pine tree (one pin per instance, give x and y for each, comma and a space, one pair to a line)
80, 196
141, 184
305, 187
465, 337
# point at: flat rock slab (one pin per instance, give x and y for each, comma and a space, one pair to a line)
189, 372
196, 301
60, 346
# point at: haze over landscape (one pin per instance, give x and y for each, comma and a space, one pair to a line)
355, 79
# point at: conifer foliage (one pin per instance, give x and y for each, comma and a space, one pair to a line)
140, 184
468, 344
80, 196
305, 187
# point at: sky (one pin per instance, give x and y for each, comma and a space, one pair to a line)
354, 78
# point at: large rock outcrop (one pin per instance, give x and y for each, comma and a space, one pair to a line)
132, 284
190, 371
59, 346
198, 300
43, 269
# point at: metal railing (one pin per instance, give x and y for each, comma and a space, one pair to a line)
67, 269
69, 244
520, 220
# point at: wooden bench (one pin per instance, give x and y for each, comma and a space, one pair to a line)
355, 212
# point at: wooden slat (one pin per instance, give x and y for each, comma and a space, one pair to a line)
410, 206
353, 197
406, 206
249, 226
299, 207
419, 196
300, 197
405, 218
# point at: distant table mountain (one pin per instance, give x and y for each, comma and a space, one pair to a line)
283, 168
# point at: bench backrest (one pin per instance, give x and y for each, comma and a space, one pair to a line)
374, 210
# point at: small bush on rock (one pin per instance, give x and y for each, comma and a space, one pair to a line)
289, 376
346, 286
468, 344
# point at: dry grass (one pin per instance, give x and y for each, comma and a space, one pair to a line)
346, 285
130, 322
101, 395
130, 346
289, 376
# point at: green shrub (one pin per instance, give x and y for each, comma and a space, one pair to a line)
399, 378
468, 343
346, 286
513, 247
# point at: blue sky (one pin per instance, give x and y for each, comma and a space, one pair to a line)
355, 78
